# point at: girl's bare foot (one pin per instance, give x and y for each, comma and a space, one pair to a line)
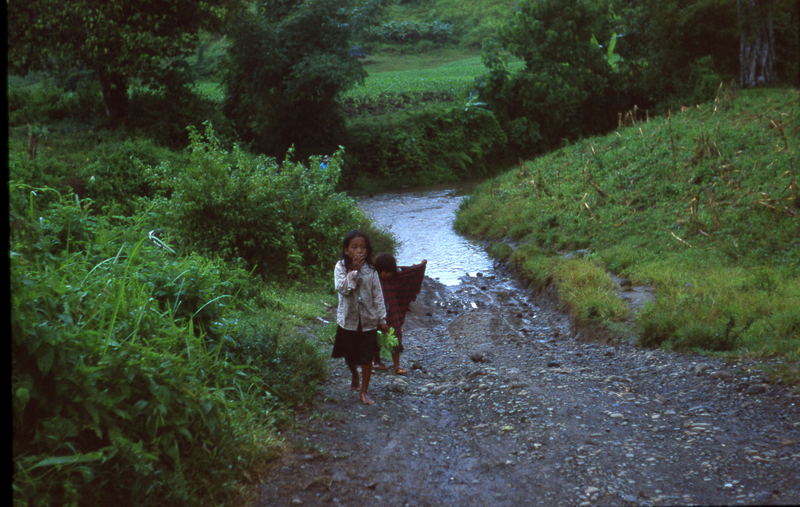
354, 384
366, 400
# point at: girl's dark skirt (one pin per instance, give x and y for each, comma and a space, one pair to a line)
356, 347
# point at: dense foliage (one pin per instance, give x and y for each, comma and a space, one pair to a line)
160, 372
285, 74
283, 219
559, 70
471, 20
563, 91
134, 377
411, 31
432, 146
119, 43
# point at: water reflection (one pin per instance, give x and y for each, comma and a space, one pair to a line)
422, 221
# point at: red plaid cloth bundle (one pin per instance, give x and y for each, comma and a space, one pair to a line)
400, 291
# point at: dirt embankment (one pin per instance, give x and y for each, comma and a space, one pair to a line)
503, 406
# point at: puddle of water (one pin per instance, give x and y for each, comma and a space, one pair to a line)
422, 222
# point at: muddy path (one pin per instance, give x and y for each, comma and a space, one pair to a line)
504, 406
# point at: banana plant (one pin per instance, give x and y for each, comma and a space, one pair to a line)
612, 58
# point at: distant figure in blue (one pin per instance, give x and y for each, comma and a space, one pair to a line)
324, 164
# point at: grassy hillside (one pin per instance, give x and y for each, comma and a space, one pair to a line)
703, 205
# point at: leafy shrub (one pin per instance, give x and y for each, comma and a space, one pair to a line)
285, 71
163, 115
94, 425
116, 173
403, 32
282, 219
285, 363
434, 145
124, 389
43, 222
39, 99
97, 410
38, 103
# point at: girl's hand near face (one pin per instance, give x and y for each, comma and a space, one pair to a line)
357, 251
358, 261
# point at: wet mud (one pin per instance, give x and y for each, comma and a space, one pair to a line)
502, 405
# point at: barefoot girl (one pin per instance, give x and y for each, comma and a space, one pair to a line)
361, 310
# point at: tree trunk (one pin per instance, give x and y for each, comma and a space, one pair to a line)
115, 96
756, 43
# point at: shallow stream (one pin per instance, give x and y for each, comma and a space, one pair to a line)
422, 222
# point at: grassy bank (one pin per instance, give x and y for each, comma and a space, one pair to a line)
702, 204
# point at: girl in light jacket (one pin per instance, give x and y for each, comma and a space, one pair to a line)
361, 311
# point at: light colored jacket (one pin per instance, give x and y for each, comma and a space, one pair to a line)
360, 298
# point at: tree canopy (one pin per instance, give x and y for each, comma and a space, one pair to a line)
286, 72
121, 42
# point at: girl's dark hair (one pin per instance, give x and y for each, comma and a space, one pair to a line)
350, 237
385, 262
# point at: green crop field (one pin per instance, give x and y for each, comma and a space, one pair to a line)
456, 77
408, 75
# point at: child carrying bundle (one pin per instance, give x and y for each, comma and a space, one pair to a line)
400, 287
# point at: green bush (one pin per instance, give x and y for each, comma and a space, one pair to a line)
117, 173
37, 103
39, 99
438, 144
128, 379
287, 364
404, 32
284, 219
162, 115
109, 400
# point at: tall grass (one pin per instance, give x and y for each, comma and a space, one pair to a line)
139, 373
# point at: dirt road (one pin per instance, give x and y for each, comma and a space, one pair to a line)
503, 406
